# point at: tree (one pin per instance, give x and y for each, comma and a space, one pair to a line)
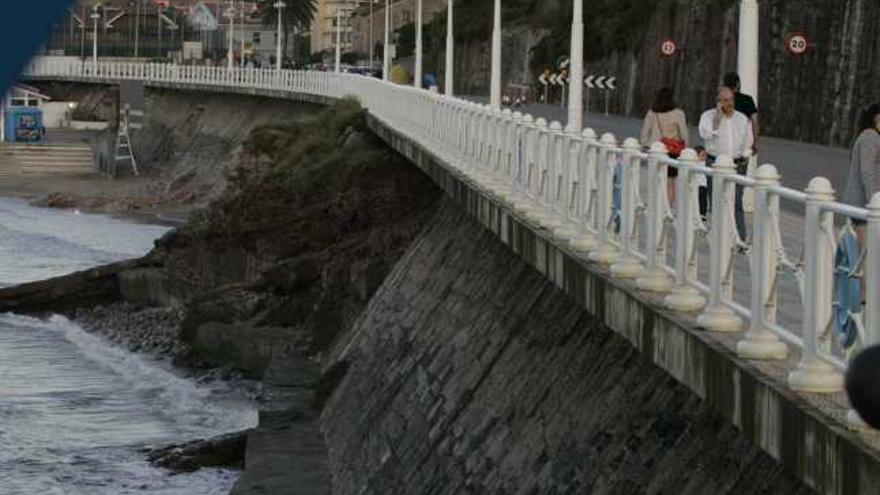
298, 13
406, 40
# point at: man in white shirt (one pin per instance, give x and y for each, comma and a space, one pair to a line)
728, 132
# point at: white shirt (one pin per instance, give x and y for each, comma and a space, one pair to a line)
733, 137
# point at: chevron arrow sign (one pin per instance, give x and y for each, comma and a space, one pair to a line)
601, 82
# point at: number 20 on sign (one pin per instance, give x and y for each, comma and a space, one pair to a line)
797, 44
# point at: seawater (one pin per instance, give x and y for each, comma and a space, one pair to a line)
76, 412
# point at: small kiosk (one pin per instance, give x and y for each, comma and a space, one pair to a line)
22, 114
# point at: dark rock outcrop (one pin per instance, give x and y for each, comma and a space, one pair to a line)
221, 451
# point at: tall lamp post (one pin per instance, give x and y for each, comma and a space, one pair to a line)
495, 78
137, 26
230, 14
417, 78
241, 23
576, 88
386, 51
95, 16
280, 6
372, 48
747, 50
338, 38
450, 47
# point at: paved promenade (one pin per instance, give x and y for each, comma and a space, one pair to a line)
797, 162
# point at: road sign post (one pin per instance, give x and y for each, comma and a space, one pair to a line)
605, 83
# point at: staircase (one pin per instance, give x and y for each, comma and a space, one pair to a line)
46, 159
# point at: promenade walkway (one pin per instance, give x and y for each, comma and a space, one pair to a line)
797, 162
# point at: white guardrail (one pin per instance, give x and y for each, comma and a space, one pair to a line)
608, 202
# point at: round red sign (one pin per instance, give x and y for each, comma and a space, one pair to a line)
668, 48
797, 44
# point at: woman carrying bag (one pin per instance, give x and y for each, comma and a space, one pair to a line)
666, 123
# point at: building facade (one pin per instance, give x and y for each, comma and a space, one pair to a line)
368, 21
323, 29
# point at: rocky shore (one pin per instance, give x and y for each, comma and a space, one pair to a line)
257, 285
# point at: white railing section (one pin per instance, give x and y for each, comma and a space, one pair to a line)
607, 201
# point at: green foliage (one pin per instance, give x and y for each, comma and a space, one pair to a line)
406, 40
293, 162
305, 155
352, 58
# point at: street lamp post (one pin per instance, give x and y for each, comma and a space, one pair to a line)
576, 88
372, 48
230, 14
279, 5
417, 78
137, 26
338, 38
450, 47
386, 51
95, 16
495, 78
747, 51
241, 23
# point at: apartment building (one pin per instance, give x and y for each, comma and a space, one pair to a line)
371, 18
323, 29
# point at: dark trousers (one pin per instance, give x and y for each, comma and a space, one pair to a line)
742, 167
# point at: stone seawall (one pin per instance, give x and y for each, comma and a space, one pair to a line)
470, 372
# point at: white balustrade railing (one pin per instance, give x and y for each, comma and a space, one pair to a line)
566, 181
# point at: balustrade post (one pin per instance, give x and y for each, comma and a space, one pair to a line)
628, 264
586, 238
519, 198
536, 152
548, 216
655, 278
718, 317
813, 374
759, 342
509, 150
606, 252
684, 296
503, 122
871, 272
571, 184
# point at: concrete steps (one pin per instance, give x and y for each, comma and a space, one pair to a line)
46, 159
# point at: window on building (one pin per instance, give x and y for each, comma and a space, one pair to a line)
16, 102
256, 37
407, 17
33, 103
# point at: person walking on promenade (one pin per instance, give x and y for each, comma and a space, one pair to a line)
864, 169
728, 132
745, 105
666, 123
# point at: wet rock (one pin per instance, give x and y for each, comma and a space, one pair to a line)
221, 451
56, 200
245, 347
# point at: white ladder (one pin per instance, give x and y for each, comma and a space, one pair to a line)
123, 142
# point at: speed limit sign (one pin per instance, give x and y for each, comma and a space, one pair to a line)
668, 48
797, 44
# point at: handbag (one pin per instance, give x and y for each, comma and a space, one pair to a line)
674, 146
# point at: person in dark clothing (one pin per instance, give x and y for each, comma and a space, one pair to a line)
744, 104
863, 385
